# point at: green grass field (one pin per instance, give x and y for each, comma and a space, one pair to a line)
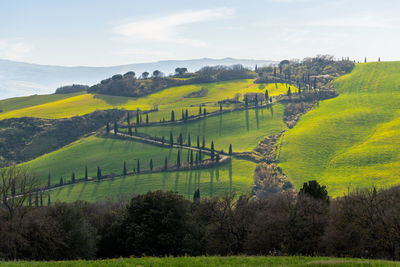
15, 103
243, 129
169, 99
231, 176
211, 261
352, 140
108, 153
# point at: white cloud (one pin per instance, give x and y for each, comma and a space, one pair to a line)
13, 50
167, 28
366, 21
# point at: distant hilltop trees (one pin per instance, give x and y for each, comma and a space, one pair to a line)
132, 85
71, 89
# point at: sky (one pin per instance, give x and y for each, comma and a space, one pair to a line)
106, 33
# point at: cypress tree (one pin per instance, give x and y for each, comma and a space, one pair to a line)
203, 145
48, 180
212, 150
98, 173
141, 121
256, 101
172, 115
108, 127
162, 140
48, 200
128, 119
217, 157
270, 99
147, 119
186, 114
115, 128
246, 101
196, 196
41, 199
197, 158
124, 170
86, 174
61, 181
137, 117
183, 115
230, 149
200, 110
191, 157
130, 130
138, 166
178, 159
200, 155
266, 96
151, 164
166, 163
198, 141
135, 130
73, 177
13, 188
220, 107
205, 112
180, 139
171, 139
189, 142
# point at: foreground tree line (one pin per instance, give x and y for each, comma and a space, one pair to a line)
360, 224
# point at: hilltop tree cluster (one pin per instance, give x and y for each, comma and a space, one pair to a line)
131, 85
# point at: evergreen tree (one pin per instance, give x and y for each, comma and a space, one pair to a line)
98, 173
124, 171
48, 200
200, 110
197, 158
48, 180
230, 149
220, 107
196, 196
137, 118
151, 164
86, 174
183, 115
29, 200
198, 141
141, 121
205, 111
186, 114
41, 199
256, 101
178, 159
365, 60
171, 139
162, 140
203, 145
217, 157
172, 115
315, 83
115, 128
246, 102
130, 130
270, 99
147, 119
135, 130
191, 157
166, 163
138, 166
108, 127
266, 96
189, 141
200, 156
212, 150
61, 181
180, 139
128, 119
73, 177
13, 188
289, 92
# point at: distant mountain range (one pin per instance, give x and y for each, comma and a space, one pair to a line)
20, 79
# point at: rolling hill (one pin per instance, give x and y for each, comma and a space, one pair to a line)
351, 141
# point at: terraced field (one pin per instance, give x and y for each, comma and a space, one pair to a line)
231, 176
352, 140
243, 129
169, 99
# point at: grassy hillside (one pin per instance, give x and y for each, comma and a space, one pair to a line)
212, 261
166, 100
232, 176
94, 151
243, 129
352, 140
14, 103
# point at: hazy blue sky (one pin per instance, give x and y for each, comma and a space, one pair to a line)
99, 32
